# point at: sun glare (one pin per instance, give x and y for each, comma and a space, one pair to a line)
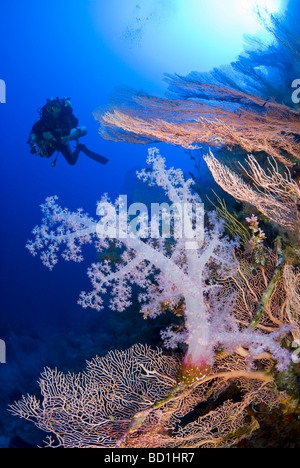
271, 6
181, 36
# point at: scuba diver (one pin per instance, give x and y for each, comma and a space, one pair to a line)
54, 130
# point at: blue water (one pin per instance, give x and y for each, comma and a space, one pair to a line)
48, 49
61, 56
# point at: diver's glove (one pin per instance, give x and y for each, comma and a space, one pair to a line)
75, 133
34, 149
32, 141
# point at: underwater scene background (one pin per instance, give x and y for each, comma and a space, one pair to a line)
141, 75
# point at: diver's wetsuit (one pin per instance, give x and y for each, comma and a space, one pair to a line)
60, 127
56, 127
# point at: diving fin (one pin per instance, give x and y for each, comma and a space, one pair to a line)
95, 156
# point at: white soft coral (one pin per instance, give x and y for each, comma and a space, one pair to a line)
184, 269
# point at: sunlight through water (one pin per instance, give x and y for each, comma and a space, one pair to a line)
168, 36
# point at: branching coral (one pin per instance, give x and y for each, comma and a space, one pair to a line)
291, 278
131, 399
166, 272
95, 407
275, 195
215, 116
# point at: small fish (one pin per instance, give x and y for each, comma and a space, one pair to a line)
266, 102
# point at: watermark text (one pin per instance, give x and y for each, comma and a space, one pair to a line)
177, 220
2, 92
296, 93
2, 352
